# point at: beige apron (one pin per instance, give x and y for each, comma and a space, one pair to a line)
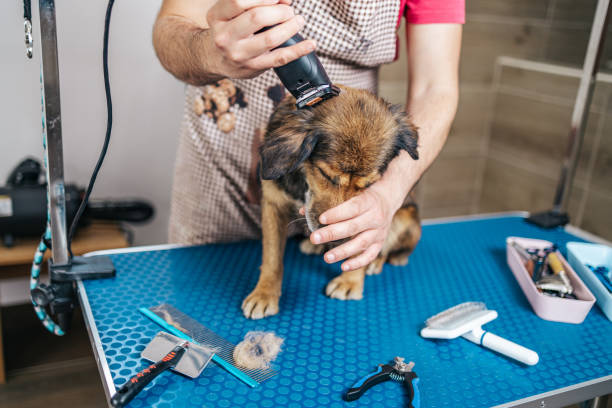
215, 194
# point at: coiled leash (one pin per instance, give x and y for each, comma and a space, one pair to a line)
45, 240
45, 243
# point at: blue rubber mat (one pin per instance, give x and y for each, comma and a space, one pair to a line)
329, 344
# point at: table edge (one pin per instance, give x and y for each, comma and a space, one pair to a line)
96, 343
565, 396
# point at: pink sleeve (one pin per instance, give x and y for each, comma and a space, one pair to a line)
433, 11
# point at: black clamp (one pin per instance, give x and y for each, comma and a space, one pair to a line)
27, 25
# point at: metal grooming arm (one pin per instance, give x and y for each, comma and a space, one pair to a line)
558, 215
63, 270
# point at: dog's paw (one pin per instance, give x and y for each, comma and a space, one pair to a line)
345, 288
260, 304
398, 260
308, 248
375, 267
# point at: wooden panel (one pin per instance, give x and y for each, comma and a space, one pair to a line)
98, 236
573, 11
426, 212
551, 85
505, 8
536, 132
28, 344
450, 182
467, 131
567, 45
397, 70
394, 92
483, 42
597, 216
559, 86
71, 385
602, 170
509, 188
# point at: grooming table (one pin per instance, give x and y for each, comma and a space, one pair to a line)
330, 344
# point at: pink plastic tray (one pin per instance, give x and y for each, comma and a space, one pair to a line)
548, 307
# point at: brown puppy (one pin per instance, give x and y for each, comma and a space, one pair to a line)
319, 158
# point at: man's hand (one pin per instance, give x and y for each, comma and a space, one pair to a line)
242, 52
366, 217
202, 41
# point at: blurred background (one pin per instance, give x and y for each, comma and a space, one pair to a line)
520, 68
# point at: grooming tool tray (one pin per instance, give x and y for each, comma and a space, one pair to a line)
548, 307
579, 255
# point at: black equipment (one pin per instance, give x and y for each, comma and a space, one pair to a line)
23, 205
306, 78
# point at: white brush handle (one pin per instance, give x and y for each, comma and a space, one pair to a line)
503, 346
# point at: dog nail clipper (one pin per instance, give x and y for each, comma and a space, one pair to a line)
399, 371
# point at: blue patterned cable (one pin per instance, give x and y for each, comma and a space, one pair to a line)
34, 281
45, 241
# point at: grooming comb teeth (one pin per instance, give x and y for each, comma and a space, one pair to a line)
168, 315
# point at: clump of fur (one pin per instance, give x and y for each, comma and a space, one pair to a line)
257, 350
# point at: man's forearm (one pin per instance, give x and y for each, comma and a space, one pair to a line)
184, 49
432, 111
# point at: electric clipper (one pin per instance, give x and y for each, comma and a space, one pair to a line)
305, 77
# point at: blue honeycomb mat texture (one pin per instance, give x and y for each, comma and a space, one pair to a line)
330, 344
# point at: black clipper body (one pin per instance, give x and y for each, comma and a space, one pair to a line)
306, 78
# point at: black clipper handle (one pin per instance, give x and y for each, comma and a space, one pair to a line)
304, 73
383, 373
411, 382
305, 77
134, 385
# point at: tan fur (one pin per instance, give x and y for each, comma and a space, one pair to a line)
339, 148
275, 214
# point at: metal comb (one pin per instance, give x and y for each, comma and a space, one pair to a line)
190, 329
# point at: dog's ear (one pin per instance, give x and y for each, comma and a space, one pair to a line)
407, 136
289, 141
283, 154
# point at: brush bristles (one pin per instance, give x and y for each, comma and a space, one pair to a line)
454, 314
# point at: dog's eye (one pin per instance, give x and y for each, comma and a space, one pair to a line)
331, 180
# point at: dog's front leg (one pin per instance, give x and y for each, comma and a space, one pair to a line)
263, 300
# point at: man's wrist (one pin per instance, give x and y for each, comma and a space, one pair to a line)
399, 178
